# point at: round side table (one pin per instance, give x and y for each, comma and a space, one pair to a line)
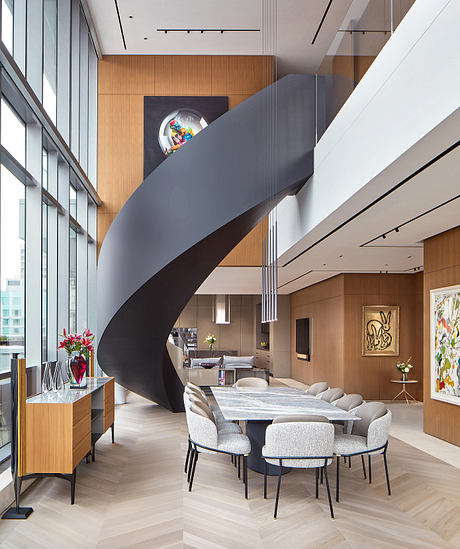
403, 391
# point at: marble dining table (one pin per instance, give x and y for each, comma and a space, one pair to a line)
259, 408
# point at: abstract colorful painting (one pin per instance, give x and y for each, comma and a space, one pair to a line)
445, 344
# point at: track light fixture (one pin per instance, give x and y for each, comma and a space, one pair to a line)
384, 236
202, 31
397, 230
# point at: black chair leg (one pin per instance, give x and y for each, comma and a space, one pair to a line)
245, 474
364, 467
190, 464
328, 493
277, 493
239, 466
349, 462
187, 457
265, 479
386, 472
94, 452
193, 471
113, 432
337, 480
317, 483
370, 470
321, 481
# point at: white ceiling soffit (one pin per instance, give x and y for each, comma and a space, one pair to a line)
298, 21
425, 205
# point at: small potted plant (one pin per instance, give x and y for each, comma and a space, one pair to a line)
77, 348
210, 340
404, 368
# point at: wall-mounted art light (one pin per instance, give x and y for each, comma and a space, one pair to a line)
202, 30
221, 309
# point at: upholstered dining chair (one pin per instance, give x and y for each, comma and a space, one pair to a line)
206, 438
369, 437
301, 445
349, 402
317, 388
256, 383
332, 394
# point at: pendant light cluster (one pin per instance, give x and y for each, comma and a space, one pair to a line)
270, 271
270, 243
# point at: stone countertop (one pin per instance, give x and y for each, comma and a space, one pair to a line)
67, 395
247, 404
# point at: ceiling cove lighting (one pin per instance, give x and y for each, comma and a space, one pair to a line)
202, 31
221, 309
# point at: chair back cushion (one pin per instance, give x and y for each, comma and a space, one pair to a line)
202, 407
256, 383
300, 417
332, 394
241, 361
317, 388
368, 413
201, 429
348, 402
299, 439
377, 434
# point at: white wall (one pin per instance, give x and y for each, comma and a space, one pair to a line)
412, 87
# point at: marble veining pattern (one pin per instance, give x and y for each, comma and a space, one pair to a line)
238, 404
67, 395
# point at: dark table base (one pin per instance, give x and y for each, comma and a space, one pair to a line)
255, 430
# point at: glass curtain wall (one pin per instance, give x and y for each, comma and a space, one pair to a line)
47, 253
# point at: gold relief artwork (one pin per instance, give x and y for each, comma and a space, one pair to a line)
380, 331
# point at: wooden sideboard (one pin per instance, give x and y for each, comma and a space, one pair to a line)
62, 427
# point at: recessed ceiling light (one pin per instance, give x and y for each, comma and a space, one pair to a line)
409, 257
340, 255
145, 37
130, 16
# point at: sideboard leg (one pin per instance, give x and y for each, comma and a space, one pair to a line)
72, 486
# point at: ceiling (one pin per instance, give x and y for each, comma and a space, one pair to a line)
297, 22
426, 205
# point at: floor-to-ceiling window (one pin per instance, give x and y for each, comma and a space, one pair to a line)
47, 238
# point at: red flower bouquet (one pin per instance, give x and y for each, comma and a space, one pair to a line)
77, 348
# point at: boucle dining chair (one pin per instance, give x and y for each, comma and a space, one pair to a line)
317, 388
332, 394
206, 438
369, 436
300, 445
257, 383
349, 402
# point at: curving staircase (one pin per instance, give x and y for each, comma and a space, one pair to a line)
185, 218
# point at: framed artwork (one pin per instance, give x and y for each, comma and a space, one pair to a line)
171, 121
380, 330
445, 344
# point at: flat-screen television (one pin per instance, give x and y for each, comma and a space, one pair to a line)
302, 338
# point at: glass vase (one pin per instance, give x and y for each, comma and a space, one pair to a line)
76, 369
404, 377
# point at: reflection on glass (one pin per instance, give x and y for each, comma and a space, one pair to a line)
7, 24
366, 28
12, 249
49, 57
44, 282
73, 201
72, 280
45, 169
13, 133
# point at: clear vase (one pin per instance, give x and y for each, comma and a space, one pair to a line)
47, 378
58, 379
76, 369
404, 377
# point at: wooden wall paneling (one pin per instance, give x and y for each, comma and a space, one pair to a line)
241, 74
324, 304
126, 75
234, 100
442, 268
248, 253
182, 75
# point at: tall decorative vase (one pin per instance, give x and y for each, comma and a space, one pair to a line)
76, 369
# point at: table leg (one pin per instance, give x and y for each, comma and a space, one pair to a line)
255, 430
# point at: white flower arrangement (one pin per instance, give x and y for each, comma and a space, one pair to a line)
210, 340
404, 367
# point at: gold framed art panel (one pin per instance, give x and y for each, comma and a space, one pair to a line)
380, 330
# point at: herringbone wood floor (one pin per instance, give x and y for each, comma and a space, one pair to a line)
135, 495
